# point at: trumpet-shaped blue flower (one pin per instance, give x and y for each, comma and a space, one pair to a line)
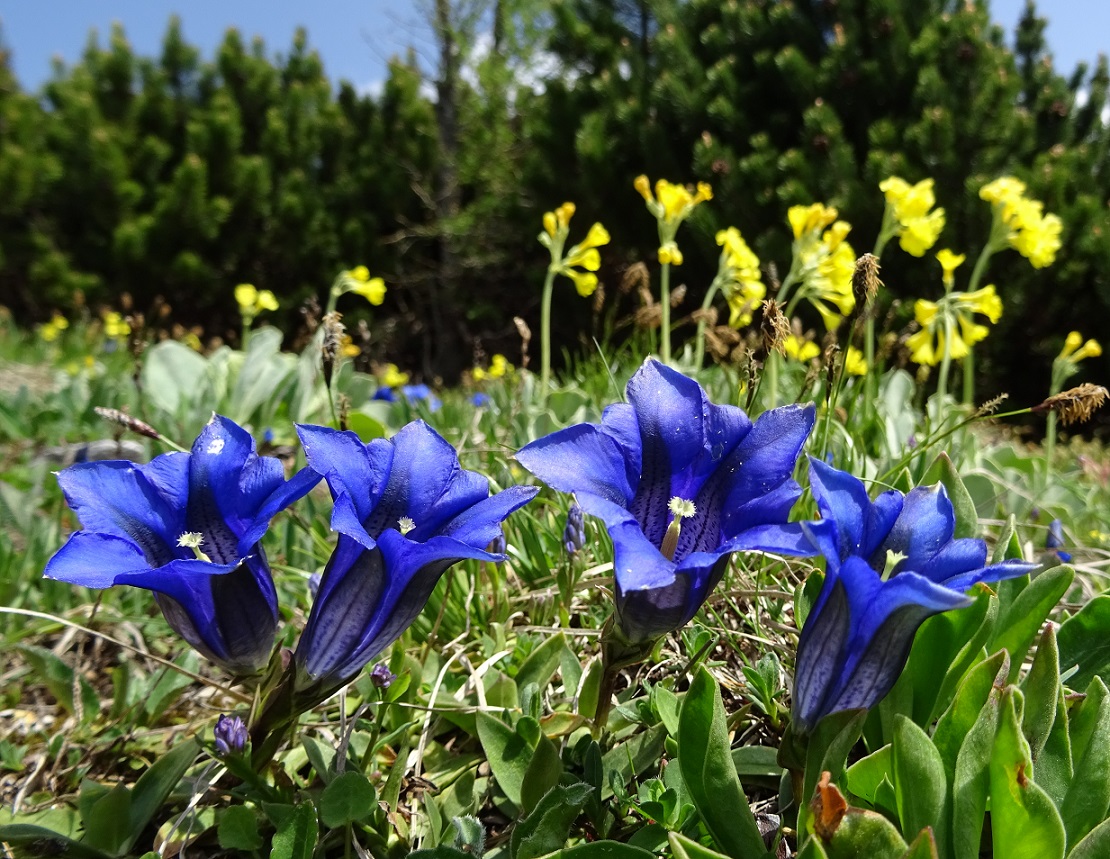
680, 483
187, 526
405, 511
890, 564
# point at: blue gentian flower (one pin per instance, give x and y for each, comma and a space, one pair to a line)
890, 564
479, 399
187, 526
574, 532
421, 394
385, 394
405, 511
1055, 539
680, 483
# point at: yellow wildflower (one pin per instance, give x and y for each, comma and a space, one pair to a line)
50, 331
854, 362
810, 219
348, 348
927, 346
739, 270
371, 288
499, 366
1029, 231
1002, 190
583, 255
918, 224
799, 349
949, 262
985, 301
115, 326
1075, 350
671, 204
391, 377
584, 281
253, 301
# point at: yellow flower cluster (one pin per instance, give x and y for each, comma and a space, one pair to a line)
671, 204
358, 281
52, 330
826, 260
391, 377
1032, 233
1075, 350
253, 301
583, 259
738, 271
955, 311
917, 223
115, 326
800, 349
499, 367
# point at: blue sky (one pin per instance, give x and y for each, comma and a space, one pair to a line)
355, 38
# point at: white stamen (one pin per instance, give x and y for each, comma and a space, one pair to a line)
682, 508
190, 540
404, 525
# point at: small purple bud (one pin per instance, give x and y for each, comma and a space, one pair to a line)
480, 399
231, 736
912, 441
574, 534
498, 545
382, 677
1055, 538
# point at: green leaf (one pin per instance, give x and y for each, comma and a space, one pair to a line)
813, 849
1054, 765
31, 836
602, 850
757, 764
441, 852
943, 471
706, 764
108, 821
1024, 822
967, 705
542, 663
156, 784
589, 689
545, 830
865, 833
541, 775
296, 838
971, 777
348, 798
828, 750
805, 596
507, 752
1096, 844
173, 374
866, 774
1008, 548
685, 848
365, 427
666, 704
1088, 795
920, 784
238, 829
633, 756
62, 682
1021, 620
1041, 689
924, 846
1085, 642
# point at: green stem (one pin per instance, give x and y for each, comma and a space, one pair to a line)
665, 306
711, 293
945, 364
545, 335
969, 376
972, 285
772, 367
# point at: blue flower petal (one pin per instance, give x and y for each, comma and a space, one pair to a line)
95, 560
822, 648
220, 455
647, 614
841, 499
581, 458
958, 556
352, 469
116, 498
479, 524
924, 526
284, 494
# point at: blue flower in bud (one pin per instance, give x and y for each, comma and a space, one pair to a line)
480, 399
231, 736
381, 676
187, 526
498, 544
890, 564
405, 511
1055, 539
681, 484
574, 533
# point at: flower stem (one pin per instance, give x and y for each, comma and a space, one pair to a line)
665, 306
699, 349
972, 285
545, 335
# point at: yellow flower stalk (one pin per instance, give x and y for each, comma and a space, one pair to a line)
738, 275
910, 215
670, 205
115, 326
578, 264
1020, 222
810, 219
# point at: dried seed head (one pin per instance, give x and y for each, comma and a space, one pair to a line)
599, 298
649, 316
635, 277
525, 333
678, 295
1074, 405
991, 406
775, 328
333, 338
122, 419
865, 281
708, 315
